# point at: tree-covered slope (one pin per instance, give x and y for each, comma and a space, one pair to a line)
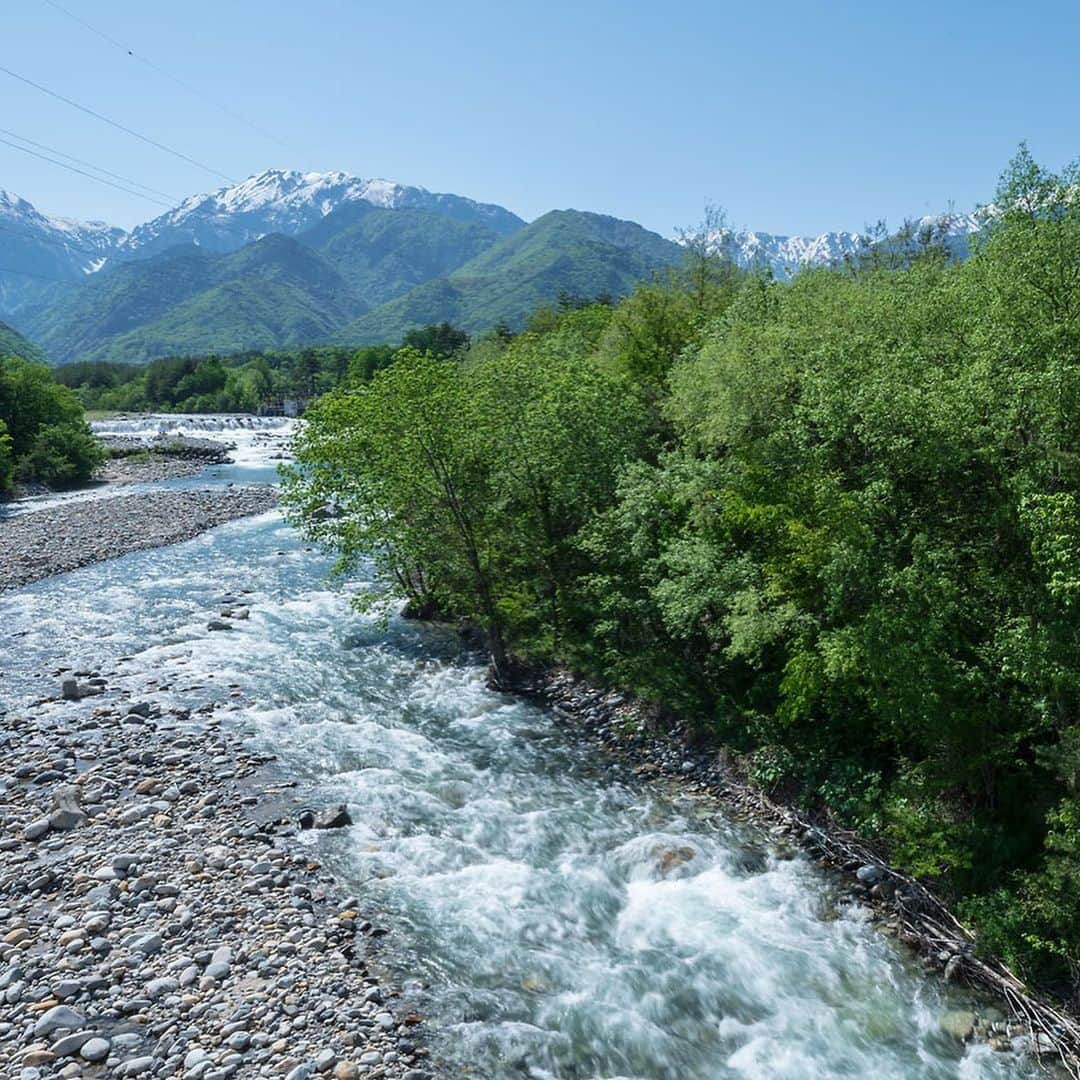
565, 251
12, 343
271, 293
363, 274
385, 253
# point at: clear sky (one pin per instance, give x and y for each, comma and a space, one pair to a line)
795, 116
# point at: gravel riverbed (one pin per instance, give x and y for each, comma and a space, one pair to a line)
156, 920
74, 534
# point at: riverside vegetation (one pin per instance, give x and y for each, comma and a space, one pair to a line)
835, 522
241, 382
43, 434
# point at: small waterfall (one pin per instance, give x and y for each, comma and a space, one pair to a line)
151, 425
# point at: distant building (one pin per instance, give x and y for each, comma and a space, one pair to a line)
285, 406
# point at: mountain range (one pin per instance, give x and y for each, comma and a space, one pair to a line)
288, 258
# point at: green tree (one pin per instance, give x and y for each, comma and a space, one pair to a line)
406, 448
442, 340
62, 456
43, 432
7, 461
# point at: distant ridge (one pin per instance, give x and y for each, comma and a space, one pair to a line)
365, 260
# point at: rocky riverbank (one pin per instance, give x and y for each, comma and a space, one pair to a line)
164, 457
73, 534
153, 923
903, 907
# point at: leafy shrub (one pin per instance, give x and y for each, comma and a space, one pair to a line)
62, 455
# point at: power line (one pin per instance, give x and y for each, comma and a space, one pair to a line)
173, 200
167, 74
115, 124
82, 172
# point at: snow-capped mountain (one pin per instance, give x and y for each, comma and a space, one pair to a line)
46, 250
290, 202
785, 255
43, 258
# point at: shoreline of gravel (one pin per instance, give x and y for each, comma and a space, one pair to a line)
160, 916
72, 534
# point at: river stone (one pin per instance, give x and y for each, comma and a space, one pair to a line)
37, 829
60, 1016
959, 1023
68, 813
146, 943
195, 1056
71, 1044
95, 1049
136, 1066
156, 988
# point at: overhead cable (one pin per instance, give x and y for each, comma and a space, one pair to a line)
90, 176
116, 124
182, 83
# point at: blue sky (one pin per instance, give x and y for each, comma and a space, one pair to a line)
796, 117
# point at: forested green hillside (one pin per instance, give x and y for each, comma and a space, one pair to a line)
273, 292
563, 252
12, 343
362, 275
385, 253
836, 522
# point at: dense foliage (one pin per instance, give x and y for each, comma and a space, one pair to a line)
245, 382
43, 435
835, 521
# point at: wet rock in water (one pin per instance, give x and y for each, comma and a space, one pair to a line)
218, 624
332, 817
69, 690
959, 1023
869, 875
669, 859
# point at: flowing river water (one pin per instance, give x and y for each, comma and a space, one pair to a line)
521, 879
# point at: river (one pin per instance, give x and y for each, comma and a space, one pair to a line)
520, 877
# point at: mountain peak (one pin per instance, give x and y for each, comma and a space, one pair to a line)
290, 202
